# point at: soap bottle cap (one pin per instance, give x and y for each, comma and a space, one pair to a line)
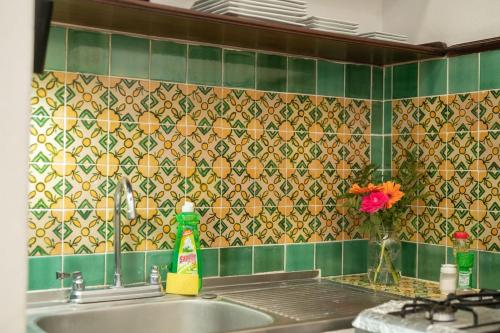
461, 235
188, 207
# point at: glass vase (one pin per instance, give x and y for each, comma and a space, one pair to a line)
384, 256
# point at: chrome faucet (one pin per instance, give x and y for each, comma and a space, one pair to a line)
125, 186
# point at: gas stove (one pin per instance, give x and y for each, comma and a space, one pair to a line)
471, 312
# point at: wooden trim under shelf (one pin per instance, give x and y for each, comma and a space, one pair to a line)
151, 19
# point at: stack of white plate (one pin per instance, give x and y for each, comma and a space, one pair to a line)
284, 11
385, 36
331, 25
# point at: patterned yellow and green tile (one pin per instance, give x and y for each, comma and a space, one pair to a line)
239, 108
161, 230
462, 150
44, 232
357, 151
129, 143
409, 223
433, 151
328, 113
48, 94
87, 140
84, 232
168, 104
202, 187
462, 112
84, 187
489, 229
272, 110
87, 96
300, 230
129, 99
204, 104
401, 144
45, 187
433, 112
301, 111
46, 140
432, 227
489, 111
405, 116
357, 115
237, 226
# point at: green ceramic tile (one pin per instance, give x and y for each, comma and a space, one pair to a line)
330, 78
404, 80
377, 118
355, 253
388, 117
386, 175
432, 77
387, 82
489, 263
239, 69
430, 259
452, 260
132, 267
271, 72
88, 52
329, 258
377, 83
162, 259
376, 150
489, 67
387, 152
269, 258
236, 261
463, 73
205, 65
168, 61
91, 266
409, 259
301, 75
129, 56
42, 272
55, 57
210, 261
358, 81
299, 257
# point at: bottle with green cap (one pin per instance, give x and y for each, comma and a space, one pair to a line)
464, 259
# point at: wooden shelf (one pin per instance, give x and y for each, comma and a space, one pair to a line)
144, 18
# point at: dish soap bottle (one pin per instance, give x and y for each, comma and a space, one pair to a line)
185, 274
464, 259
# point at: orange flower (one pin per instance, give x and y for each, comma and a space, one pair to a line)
356, 189
392, 190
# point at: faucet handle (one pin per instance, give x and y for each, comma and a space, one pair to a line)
78, 282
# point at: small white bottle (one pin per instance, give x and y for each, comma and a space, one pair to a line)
448, 279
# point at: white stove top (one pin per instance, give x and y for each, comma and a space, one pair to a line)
379, 320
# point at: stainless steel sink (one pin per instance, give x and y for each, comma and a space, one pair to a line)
197, 316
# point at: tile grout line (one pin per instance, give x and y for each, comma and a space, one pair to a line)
150, 56
65, 146
478, 275
418, 147
343, 229
108, 178
446, 158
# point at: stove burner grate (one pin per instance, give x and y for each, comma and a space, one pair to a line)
444, 311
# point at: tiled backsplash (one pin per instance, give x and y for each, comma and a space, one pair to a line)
449, 109
262, 143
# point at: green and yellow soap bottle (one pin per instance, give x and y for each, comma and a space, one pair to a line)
184, 277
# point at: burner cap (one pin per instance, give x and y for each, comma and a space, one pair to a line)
441, 314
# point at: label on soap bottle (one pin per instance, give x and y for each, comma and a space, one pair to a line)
188, 260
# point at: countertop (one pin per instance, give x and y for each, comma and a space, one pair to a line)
408, 287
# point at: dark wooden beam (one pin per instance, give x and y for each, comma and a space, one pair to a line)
145, 18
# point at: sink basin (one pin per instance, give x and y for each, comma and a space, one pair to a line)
197, 316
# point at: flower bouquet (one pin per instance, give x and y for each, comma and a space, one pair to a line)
380, 206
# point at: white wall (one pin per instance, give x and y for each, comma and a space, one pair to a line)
368, 13
450, 21
16, 25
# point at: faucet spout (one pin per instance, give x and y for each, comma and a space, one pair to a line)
123, 186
